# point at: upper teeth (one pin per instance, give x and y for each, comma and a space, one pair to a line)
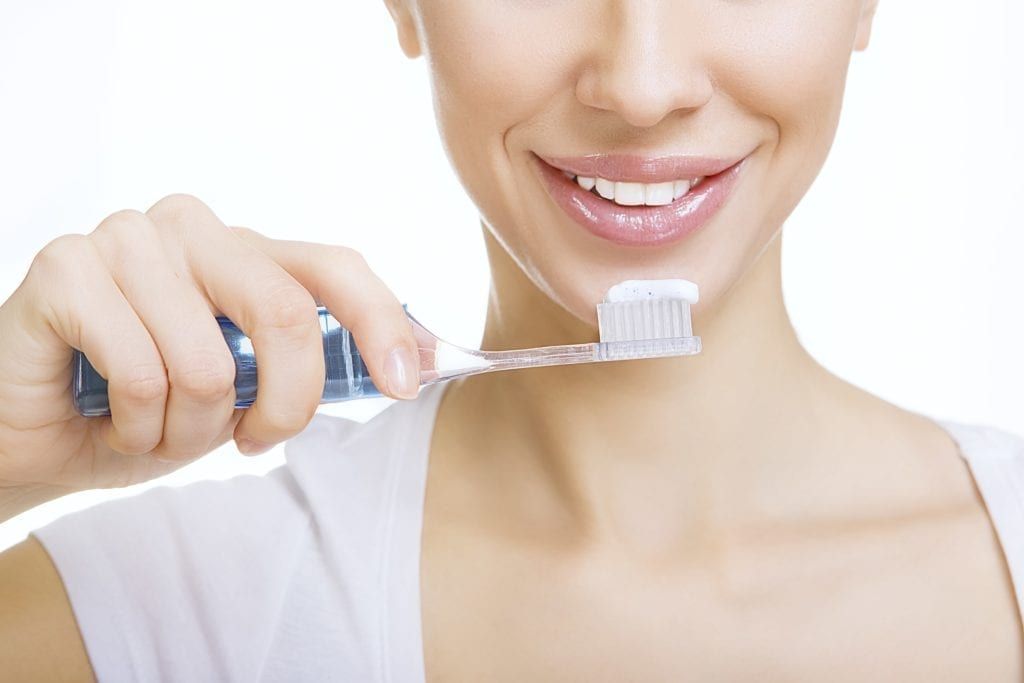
637, 194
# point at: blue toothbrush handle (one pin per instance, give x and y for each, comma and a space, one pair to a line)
346, 376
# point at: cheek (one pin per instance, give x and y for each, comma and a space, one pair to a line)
786, 60
496, 70
493, 61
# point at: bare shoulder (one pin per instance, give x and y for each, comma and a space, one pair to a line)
956, 548
39, 637
921, 463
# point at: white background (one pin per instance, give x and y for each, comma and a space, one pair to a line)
902, 266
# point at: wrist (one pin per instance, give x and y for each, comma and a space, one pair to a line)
17, 499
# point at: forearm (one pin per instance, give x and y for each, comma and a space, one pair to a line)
39, 638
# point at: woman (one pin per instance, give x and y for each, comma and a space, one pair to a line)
739, 514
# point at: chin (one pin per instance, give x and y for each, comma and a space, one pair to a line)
575, 270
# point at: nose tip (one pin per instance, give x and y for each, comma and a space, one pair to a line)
643, 95
647, 64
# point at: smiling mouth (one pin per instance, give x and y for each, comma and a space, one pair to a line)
640, 201
626, 193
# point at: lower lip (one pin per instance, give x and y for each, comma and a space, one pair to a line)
641, 226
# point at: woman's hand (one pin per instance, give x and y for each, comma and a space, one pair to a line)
138, 295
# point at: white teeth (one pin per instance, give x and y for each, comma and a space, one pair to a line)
637, 194
658, 194
629, 194
605, 188
680, 187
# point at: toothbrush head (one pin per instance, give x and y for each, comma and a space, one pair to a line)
638, 319
637, 310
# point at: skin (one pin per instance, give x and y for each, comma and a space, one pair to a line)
138, 294
740, 514
725, 515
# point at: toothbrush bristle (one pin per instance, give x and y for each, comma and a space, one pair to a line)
644, 319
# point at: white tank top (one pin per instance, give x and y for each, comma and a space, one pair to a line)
311, 572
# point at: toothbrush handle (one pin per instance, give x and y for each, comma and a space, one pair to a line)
346, 376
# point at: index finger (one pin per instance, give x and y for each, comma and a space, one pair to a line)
340, 278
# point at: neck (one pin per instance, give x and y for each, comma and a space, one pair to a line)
605, 444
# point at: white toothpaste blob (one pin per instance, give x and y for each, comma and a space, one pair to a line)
449, 358
638, 290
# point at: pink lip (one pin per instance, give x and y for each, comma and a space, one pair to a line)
638, 169
641, 225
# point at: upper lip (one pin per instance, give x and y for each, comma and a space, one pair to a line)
635, 168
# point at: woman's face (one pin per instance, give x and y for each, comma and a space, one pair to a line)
747, 93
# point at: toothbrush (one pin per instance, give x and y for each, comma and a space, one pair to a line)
637, 319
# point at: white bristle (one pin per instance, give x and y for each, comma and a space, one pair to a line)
644, 319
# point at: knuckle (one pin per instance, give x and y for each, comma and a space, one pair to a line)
380, 317
346, 255
59, 253
288, 309
249, 236
286, 421
162, 454
205, 376
136, 443
177, 209
243, 231
144, 383
115, 235
120, 222
178, 201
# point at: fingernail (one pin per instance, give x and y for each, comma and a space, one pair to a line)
250, 447
400, 373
